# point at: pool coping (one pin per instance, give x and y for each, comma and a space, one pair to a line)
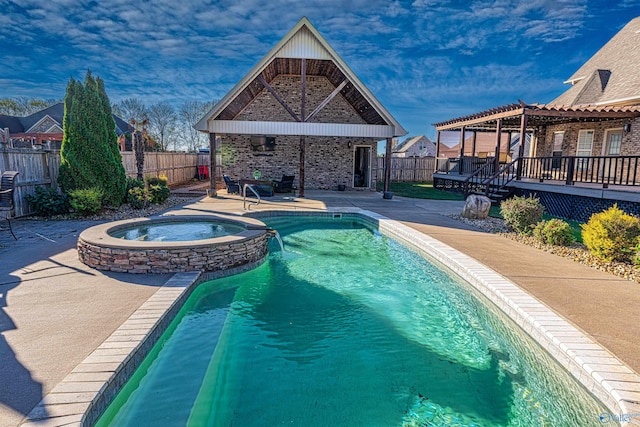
83, 395
99, 234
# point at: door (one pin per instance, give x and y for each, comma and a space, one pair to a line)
362, 167
613, 142
611, 148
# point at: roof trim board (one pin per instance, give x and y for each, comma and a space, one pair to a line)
40, 121
305, 42
301, 128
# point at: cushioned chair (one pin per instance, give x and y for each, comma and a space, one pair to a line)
232, 186
285, 185
7, 187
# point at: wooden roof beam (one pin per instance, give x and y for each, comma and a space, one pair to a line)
327, 100
277, 96
483, 119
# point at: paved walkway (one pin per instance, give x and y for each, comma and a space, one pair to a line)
54, 311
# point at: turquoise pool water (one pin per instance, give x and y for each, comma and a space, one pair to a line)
177, 231
346, 328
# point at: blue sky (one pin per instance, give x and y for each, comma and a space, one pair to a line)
425, 60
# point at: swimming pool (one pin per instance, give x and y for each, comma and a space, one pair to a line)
347, 327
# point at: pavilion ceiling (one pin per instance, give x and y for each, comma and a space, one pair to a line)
293, 66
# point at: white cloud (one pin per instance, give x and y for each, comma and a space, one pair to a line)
422, 57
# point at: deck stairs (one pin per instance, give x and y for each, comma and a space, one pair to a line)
494, 185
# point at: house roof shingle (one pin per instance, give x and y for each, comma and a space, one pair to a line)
611, 75
56, 112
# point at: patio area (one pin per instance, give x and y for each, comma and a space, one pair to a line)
55, 311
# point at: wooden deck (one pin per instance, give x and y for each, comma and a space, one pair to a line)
612, 192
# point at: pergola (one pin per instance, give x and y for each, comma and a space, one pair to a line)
523, 118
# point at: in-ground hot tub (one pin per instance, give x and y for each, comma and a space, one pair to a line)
174, 243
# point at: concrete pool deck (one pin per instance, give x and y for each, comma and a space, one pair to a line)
54, 311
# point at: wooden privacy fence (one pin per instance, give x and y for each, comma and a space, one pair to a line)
40, 168
409, 169
178, 167
37, 168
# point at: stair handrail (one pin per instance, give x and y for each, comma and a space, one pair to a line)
500, 173
244, 196
478, 172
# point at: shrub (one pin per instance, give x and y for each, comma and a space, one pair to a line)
522, 213
612, 235
134, 183
554, 232
158, 180
158, 190
158, 193
138, 197
87, 201
47, 201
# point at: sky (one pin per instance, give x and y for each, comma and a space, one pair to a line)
425, 60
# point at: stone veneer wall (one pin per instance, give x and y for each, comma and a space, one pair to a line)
213, 257
329, 160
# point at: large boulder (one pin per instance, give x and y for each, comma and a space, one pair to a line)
476, 207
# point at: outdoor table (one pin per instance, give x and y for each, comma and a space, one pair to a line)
263, 187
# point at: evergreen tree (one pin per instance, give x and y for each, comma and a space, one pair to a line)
89, 156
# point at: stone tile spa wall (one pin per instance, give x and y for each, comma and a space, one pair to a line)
98, 250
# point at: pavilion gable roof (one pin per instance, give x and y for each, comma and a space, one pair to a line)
303, 42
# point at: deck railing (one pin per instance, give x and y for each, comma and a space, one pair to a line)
604, 170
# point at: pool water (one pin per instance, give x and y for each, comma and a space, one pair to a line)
177, 231
346, 328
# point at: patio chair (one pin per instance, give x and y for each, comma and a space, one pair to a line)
7, 187
285, 185
233, 187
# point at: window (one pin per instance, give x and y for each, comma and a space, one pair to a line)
558, 137
613, 142
585, 145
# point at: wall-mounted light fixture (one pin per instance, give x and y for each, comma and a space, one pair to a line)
627, 127
349, 144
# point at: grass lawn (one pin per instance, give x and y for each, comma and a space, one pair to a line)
419, 190
423, 190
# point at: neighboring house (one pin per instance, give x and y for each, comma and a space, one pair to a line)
301, 111
43, 127
415, 146
588, 137
483, 146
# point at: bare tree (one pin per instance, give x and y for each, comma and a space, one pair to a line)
22, 106
162, 123
190, 113
130, 109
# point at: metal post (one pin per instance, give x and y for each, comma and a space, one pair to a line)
212, 165
523, 138
302, 156
461, 161
387, 166
496, 160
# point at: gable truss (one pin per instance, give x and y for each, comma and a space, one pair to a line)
312, 67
